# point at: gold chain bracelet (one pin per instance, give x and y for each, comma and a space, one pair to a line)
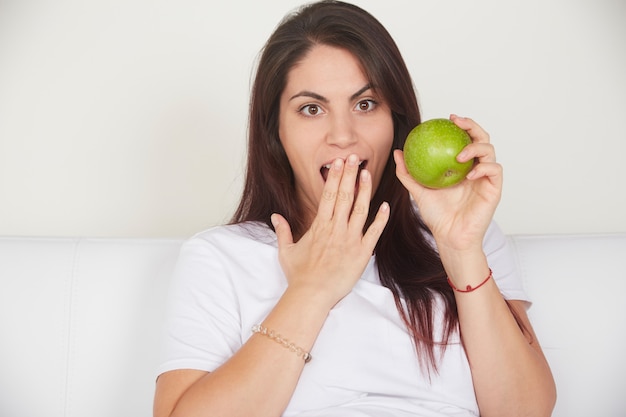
306, 356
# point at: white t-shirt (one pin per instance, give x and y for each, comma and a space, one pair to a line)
364, 363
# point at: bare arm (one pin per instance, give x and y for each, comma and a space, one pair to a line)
258, 380
321, 268
510, 374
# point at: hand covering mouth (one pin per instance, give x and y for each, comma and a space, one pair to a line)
325, 168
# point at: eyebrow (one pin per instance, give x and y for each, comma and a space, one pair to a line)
306, 93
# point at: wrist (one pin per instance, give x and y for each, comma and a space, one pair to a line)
454, 257
309, 301
466, 268
316, 294
299, 315
469, 287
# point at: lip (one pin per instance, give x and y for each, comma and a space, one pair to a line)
326, 167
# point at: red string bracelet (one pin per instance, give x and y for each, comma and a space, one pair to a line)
469, 287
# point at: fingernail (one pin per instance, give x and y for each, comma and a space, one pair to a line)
338, 163
384, 207
462, 156
353, 159
274, 219
365, 176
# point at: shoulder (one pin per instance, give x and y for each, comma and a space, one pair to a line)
248, 231
217, 251
214, 283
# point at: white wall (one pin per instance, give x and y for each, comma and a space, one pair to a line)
128, 117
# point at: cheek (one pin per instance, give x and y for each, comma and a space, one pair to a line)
382, 136
298, 142
296, 155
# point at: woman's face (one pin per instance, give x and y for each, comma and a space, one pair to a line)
329, 110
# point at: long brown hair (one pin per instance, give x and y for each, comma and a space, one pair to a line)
407, 263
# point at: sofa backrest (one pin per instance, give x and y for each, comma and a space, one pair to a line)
80, 325
80, 322
578, 286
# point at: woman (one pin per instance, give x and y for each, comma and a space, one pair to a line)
421, 328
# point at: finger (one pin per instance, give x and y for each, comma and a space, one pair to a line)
371, 236
401, 169
491, 171
403, 175
345, 193
329, 193
360, 210
484, 152
477, 133
284, 236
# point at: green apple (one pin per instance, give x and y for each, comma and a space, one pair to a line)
430, 153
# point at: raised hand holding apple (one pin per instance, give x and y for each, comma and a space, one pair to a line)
459, 215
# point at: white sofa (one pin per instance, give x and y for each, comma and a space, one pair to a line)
80, 322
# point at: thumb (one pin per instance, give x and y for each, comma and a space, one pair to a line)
398, 158
282, 229
405, 178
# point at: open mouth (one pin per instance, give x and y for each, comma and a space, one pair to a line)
325, 168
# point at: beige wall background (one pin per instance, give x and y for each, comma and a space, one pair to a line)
128, 117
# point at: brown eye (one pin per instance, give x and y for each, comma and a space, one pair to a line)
366, 105
310, 110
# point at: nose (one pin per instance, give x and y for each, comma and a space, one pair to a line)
341, 131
